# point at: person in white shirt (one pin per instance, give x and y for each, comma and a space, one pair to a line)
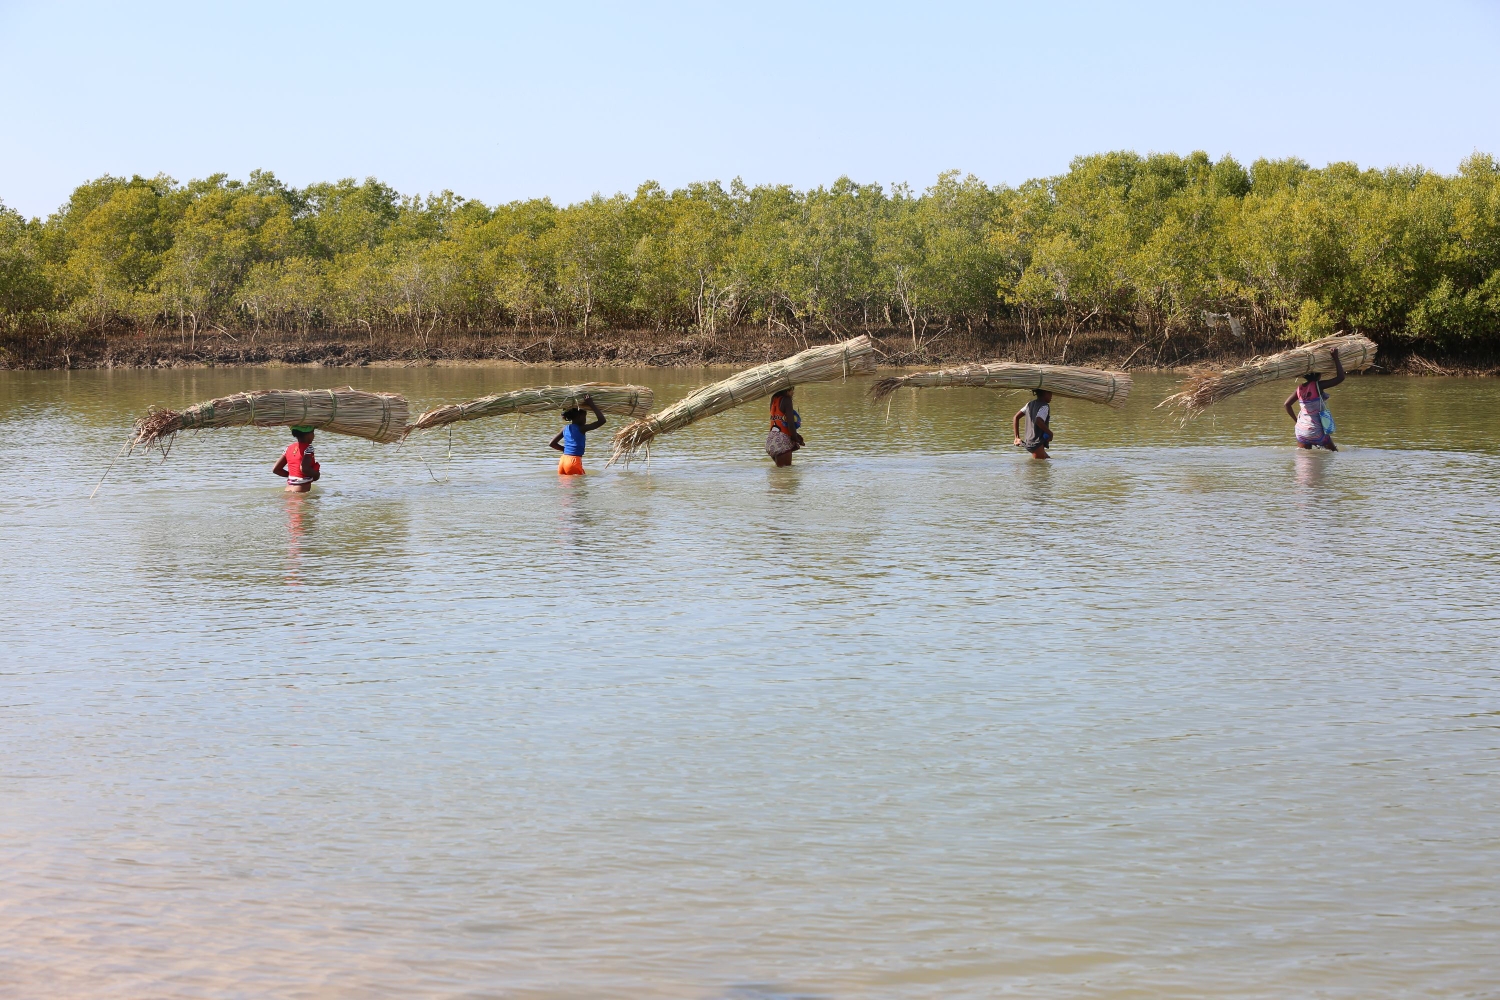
1037, 433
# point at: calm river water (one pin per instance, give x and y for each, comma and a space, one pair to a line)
1184, 713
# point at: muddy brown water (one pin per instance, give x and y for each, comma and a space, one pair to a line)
1186, 712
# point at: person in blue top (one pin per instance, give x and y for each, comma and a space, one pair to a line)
570, 440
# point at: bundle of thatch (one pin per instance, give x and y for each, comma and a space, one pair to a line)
376, 416
1202, 391
1092, 384
819, 364
624, 400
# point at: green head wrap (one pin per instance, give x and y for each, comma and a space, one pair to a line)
300, 429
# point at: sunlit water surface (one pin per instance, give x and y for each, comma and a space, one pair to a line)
1184, 713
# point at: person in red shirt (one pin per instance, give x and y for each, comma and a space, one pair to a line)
784, 437
298, 463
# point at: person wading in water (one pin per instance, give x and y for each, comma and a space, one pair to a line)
570, 440
298, 464
783, 438
1314, 426
1037, 433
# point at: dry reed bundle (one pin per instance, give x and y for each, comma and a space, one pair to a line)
819, 364
624, 400
1202, 391
1092, 384
375, 416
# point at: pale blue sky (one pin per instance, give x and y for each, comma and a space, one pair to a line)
502, 101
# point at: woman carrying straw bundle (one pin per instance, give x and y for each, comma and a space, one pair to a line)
297, 464
570, 440
1038, 431
783, 438
816, 364
374, 416
1355, 352
1314, 426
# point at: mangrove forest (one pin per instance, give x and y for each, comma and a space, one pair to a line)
1140, 247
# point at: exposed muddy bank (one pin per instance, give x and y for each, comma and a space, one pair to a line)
1117, 350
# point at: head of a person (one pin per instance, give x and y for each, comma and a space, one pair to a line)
304, 435
1312, 376
574, 415
1044, 395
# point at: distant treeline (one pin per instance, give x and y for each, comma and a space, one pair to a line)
1149, 245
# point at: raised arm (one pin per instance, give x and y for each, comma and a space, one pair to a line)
589, 402
1338, 373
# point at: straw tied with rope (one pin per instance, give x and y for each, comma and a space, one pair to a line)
1092, 384
611, 397
374, 416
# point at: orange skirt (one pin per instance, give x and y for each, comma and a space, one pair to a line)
570, 465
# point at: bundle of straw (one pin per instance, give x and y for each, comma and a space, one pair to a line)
819, 364
625, 400
1092, 384
376, 416
1202, 391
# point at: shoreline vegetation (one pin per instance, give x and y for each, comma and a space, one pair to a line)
1112, 350
1125, 262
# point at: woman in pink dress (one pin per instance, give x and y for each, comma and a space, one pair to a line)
1314, 425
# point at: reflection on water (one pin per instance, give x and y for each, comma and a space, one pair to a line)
783, 483
1036, 480
300, 508
1184, 711
1310, 466
573, 517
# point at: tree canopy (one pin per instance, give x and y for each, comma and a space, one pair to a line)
1142, 244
